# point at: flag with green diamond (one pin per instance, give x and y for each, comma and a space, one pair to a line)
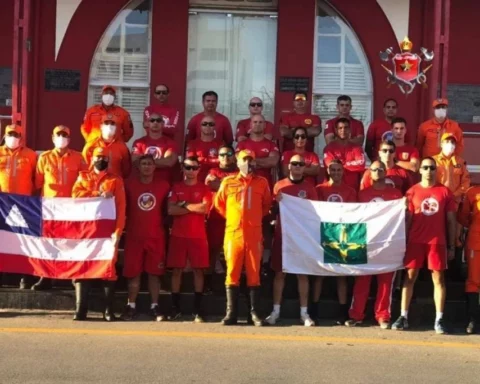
328, 239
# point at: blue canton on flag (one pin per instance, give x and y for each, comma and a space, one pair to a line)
21, 214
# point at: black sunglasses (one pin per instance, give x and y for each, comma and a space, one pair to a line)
208, 124
296, 137
158, 120
161, 92
428, 167
226, 154
297, 163
190, 167
388, 150
256, 104
377, 170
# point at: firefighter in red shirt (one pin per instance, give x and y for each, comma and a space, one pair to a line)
431, 222
344, 107
293, 185
244, 126
351, 155
299, 118
406, 155
145, 236
189, 202
169, 114
379, 191
312, 162
223, 128
395, 176
336, 191
205, 148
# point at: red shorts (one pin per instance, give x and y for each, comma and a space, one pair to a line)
276, 259
182, 249
144, 255
215, 233
435, 254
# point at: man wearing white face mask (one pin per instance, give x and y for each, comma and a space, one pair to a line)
430, 132
91, 127
57, 171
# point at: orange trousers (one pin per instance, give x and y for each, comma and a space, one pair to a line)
472, 285
243, 249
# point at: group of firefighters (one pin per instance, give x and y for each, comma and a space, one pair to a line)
226, 198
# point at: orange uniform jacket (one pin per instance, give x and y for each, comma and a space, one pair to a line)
17, 170
430, 133
93, 120
452, 172
243, 201
120, 162
91, 184
56, 174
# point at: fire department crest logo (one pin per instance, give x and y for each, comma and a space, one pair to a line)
146, 201
387, 136
405, 155
429, 206
335, 198
389, 182
302, 194
406, 69
308, 121
213, 152
377, 200
154, 151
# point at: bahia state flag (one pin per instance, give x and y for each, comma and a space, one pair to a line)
60, 238
332, 239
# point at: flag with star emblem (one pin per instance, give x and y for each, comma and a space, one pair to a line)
334, 239
60, 238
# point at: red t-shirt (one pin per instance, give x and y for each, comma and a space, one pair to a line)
262, 149
294, 120
243, 129
356, 127
380, 130
371, 194
157, 148
311, 159
407, 153
336, 193
352, 158
145, 207
170, 117
191, 225
429, 207
396, 177
207, 153
223, 128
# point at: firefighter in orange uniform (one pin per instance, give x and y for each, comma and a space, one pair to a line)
91, 127
243, 200
99, 182
57, 171
17, 169
120, 162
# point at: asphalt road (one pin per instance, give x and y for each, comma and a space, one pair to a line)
37, 347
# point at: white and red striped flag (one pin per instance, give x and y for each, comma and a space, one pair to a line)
60, 238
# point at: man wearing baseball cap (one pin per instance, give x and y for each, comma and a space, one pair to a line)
243, 199
57, 171
99, 182
430, 132
92, 122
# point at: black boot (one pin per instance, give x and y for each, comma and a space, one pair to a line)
254, 303
42, 284
109, 289
472, 312
232, 310
81, 296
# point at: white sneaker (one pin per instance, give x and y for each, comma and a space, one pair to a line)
307, 321
272, 318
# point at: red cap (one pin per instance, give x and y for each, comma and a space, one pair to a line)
246, 153
106, 87
61, 128
441, 101
109, 117
13, 128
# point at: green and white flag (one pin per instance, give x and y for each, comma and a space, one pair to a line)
329, 239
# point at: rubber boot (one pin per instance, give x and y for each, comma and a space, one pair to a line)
81, 298
43, 284
473, 310
254, 304
109, 289
232, 309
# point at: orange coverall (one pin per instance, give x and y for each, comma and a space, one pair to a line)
17, 170
120, 162
93, 120
243, 201
430, 133
56, 174
469, 216
452, 173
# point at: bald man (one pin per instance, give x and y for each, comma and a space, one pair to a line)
255, 107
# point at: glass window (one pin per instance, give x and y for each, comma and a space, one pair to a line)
329, 49
351, 56
328, 26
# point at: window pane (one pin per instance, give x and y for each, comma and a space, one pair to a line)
136, 40
140, 14
329, 49
328, 25
351, 56
114, 43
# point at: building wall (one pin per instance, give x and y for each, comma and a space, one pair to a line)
6, 42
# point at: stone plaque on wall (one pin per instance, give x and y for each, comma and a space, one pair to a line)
65, 80
464, 102
5, 86
294, 84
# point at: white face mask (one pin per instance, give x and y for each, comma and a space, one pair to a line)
61, 142
12, 142
108, 99
108, 131
440, 113
448, 148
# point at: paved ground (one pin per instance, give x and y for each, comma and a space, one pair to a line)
47, 347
